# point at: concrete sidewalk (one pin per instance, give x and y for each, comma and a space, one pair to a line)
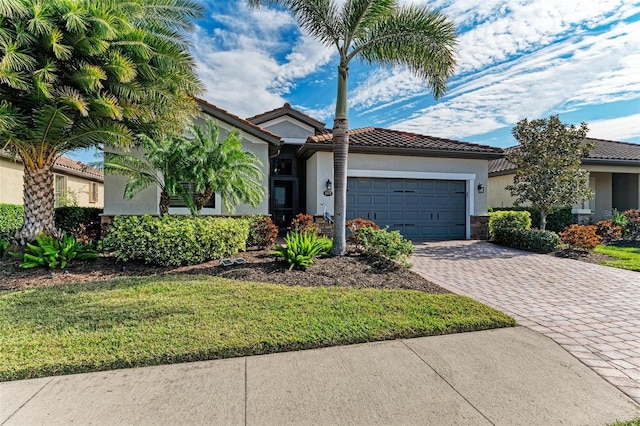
505, 377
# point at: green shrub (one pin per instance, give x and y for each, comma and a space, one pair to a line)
51, 252
527, 239
302, 247
11, 217
631, 229
4, 245
262, 232
384, 244
176, 240
83, 222
501, 220
354, 224
556, 221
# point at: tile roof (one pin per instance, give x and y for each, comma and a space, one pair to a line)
375, 139
237, 121
67, 165
604, 151
287, 109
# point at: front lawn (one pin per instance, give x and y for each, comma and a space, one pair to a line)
627, 257
160, 320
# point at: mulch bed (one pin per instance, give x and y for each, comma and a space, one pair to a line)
583, 256
345, 271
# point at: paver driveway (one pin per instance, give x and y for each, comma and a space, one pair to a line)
592, 311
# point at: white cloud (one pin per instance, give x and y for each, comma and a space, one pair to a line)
620, 129
248, 67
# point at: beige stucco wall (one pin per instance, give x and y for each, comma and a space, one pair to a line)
11, 182
320, 168
11, 185
498, 196
146, 202
603, 195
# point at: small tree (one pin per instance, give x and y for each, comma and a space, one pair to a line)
547, 165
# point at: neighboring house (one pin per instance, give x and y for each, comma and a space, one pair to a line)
425, 187
614, 177
73, 181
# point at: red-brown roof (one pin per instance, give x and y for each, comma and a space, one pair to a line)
375, 139
68, 166
604, 151
238, 122
287, 109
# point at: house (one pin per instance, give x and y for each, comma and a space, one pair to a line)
423, 186
74, 182
614, 177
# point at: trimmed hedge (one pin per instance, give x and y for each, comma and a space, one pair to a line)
556, 221
176, 240
528, 239
11, 218
508, 220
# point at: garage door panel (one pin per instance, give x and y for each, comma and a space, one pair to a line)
429, 209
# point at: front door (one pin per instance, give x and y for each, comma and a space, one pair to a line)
284, 201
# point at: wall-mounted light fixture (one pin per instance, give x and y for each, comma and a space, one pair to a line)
480, 188
328, 192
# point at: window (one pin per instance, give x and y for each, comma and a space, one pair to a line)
60, 188
176, 200
93, 192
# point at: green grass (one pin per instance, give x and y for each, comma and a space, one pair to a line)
627, 257
635, 422
161, 320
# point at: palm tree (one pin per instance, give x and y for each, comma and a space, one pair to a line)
223, 167
161, 166
376, 32
82, 73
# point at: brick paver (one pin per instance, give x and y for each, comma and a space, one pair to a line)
592, 311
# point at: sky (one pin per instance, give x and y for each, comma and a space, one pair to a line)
516, 59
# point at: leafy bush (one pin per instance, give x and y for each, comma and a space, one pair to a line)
302, 247
354, 224
52, 252
384, 244
582, 236
262, 232
527, 239
4, 245
11, 217
501, 220
608, 231
304, 223
631, 229
175, 240
556, 221
83, 222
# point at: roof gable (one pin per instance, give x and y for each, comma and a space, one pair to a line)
379, 140
288, 110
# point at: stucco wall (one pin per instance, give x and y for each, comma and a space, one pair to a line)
81, 187
498, 196
11, 181
395, 166
288, 129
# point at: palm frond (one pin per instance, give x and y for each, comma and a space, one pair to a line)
422, 40
359, 15
13, 9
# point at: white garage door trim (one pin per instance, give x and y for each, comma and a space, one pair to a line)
470, 178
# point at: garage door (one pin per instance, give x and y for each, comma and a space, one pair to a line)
429, 209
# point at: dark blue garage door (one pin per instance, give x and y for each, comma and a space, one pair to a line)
428, 209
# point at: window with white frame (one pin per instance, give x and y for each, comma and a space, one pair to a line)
60, 188
177, 201
93, 192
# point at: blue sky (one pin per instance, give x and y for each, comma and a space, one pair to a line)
516, 59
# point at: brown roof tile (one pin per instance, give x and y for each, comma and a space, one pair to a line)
287, 109
375, 139
67, 165
604, 151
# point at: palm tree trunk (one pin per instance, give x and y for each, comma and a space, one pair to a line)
202, 198
340, 157
39, 199
165, 200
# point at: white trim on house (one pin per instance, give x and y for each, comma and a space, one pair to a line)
294, 141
